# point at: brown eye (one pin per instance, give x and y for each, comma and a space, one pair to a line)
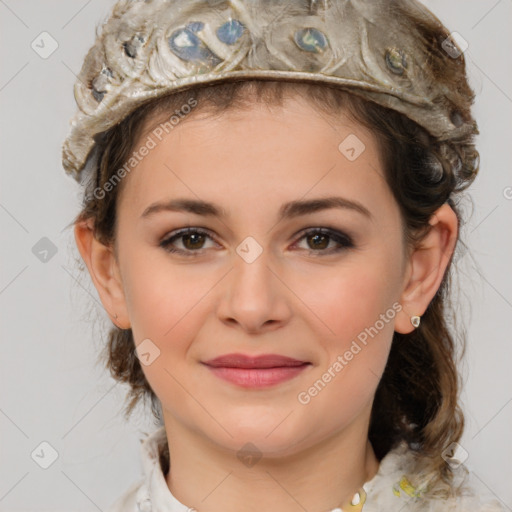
318, 241
192, 241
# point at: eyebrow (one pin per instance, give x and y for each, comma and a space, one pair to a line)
287, 211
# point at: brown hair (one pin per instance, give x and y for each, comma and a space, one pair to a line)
417, 398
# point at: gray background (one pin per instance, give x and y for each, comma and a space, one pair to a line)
51, 390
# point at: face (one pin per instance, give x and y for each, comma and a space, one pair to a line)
267, 267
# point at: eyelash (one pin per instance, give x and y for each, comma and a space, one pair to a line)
341, 238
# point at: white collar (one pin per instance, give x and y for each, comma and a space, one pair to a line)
154, 494
385, 491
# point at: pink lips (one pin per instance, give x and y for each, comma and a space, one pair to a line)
254, 372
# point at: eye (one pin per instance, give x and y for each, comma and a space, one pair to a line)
318, 240
192, 239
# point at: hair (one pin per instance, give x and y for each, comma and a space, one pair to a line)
417, 399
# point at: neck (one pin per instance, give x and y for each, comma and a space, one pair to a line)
317, 478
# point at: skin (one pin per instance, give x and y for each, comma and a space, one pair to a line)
287, 301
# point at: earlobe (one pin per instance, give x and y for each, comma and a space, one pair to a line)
427, 266
104, 273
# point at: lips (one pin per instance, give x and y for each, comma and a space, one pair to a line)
250, 362
256, 371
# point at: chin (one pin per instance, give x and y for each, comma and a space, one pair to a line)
269, 436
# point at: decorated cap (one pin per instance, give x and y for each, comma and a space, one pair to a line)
378, 49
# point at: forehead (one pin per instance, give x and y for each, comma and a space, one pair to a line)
259, 153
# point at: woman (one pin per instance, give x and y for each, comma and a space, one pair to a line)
270, 220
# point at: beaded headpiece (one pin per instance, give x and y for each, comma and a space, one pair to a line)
378, 49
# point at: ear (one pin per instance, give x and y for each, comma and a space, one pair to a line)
426, 267
104, 271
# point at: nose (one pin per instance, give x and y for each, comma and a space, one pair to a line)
254, 297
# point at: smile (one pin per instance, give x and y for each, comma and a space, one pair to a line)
257, 377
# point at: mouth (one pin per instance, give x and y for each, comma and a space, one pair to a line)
256, 372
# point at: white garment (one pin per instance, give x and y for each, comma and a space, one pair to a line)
151, 494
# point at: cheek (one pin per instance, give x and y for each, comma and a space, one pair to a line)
357, 306
351, 299
165, 307
357, 316
160, 296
